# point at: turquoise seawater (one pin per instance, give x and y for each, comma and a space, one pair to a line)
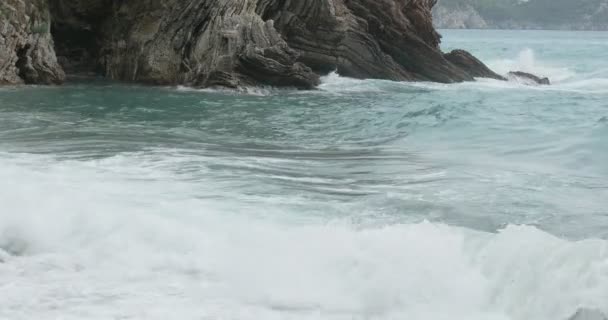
364, 199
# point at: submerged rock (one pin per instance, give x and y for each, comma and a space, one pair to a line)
234, 43
588, 314
527, 78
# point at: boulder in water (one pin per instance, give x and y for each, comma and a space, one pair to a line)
527, 78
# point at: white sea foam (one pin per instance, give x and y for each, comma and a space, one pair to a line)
526, 61
562, 80
335, 82
91, 240
165, 234
261, 91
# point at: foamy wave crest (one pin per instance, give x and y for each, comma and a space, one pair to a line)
336, 84
261, 91
333, 82
94, 240
562, 80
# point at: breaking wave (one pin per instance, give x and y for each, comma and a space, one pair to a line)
146, 237
364, 199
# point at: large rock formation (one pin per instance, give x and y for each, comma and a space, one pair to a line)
26, 46
232, 42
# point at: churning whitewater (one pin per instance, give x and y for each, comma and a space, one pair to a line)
361, 200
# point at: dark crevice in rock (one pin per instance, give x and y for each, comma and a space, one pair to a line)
22, 61
77, 29
77, 49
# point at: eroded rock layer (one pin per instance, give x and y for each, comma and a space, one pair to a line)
245, 42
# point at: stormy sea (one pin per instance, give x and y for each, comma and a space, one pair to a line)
364, 199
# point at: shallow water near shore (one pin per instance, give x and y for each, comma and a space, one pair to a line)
364, 199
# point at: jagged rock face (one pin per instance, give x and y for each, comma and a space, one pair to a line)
250, 42
201, 43
26, 46
276, 42
474, 67
388, 39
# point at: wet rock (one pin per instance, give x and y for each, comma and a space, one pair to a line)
27, 52
237, 43
200, 43
527, 78
472, 65
281, 43
389, 39
588, 314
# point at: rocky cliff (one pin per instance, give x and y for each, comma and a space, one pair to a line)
225, 42
26, 47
